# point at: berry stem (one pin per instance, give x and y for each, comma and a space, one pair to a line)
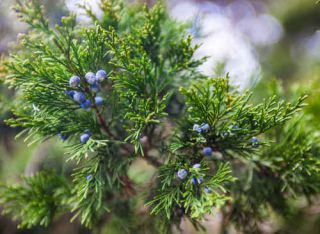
100, 118
129, 190
103, 122
105, 127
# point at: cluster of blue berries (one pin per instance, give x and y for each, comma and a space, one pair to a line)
207, 151
201, 128
195, 180
94, 81
183, 173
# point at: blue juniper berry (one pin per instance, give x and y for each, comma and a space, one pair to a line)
207, 151
182, 173
196, 166
86, 104
70, 93
89, 177
194, 180
95, 87
225, 134
234, 127
200, 180
98, 100
85, 137
79, 97
255, 142
101, 75
197, 128
74, 81
90, 77
63, 137
205, 127
207, 190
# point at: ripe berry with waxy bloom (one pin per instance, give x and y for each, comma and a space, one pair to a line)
89, 177
95, 87
234, 127
197, 128
194, 180
207, 151
182, 173
98, 100
84, 137
101, 75
90, 77
70, 93
205, 127
197, 165
201, 179
86, 104
63, 137
79, 97
255, 142
207, 190
74, 81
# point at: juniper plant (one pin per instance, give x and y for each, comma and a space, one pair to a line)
127, 87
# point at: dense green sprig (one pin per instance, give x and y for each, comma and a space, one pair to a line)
233, 120
37, 200
184, 195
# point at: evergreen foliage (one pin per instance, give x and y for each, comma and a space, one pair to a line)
214, 149
37, 200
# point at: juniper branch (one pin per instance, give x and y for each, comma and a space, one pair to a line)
105, 87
